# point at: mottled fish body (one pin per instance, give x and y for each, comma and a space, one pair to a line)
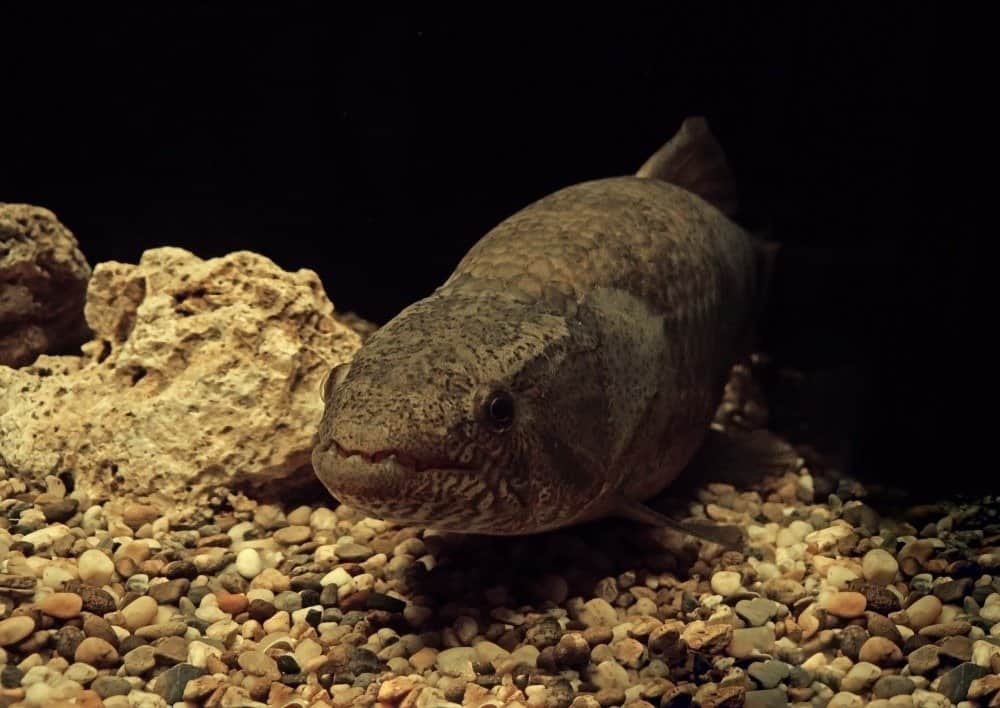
567, 370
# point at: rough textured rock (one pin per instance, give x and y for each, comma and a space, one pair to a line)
43, 280
201, 373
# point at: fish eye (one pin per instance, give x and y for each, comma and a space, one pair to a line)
499, 409
332, 378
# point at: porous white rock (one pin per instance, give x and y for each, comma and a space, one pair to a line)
201, 373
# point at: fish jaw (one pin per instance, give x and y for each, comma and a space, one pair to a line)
392, 487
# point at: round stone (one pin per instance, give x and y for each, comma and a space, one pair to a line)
879, 566
845, 604
726, 583
292, 535
62, 605
95, 567
248, 563
139, 612
15, 629
924, 612
881, 652
598, 613
97, 652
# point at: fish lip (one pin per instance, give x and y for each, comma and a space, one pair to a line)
399, 457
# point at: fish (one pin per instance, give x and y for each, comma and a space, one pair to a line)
569, 367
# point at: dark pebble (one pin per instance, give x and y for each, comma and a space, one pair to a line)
170, 651
129, 643
546, 660
288, 665
953, 590
94, 626
851, 640
95, 600
261, 610
309, 598
307, 581
964, 569
544, 634
456, 693
881, 626
107, 686
67, 639
170, 684
955, 684
675, 697
232, 581
688, 602
356, 601
380, 601
10, 676
364, 680
956, 648
197, 593
889, 686
314, 617
863, 516
332, 614
170, 592
488, 680
915, 642
352, 618
981, 592
608, 697
361, 661
769, 698
198, 623
60, 511
560, 694
878, 598
799, 677
294, 679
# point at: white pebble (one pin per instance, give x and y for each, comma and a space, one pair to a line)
248, 563
726, 583
337, 576
879, 566
95, 567
982, 652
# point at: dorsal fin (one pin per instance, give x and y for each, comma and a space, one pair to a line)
692, 159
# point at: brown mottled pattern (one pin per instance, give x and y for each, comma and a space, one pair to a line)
611, 311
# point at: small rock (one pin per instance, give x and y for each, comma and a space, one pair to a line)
957, 648
572, 650
137, 515
757, 611
955, 683
60, 511
845, 604
456, 661
946, 629
923, 612
15, 629
983, 687
747, 643
628, 652
293, 535
232, 603
881, 626
768, 674
786, 591
139, 612
139, 660
354, 552
395, 689
726, 583
879, 567
63, 605
924, 660
845, 700
107, 686
97, 652
170, 592
953, 591
770, 698
889, 686
983, 652
598, 613
609, 674
257, 663
860, 677
172, 682
95, 567
881, 652
852, 639
248, 563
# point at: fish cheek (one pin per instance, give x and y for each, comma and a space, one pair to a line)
575, 443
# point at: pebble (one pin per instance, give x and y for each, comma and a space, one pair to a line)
172, 682
955, 683
97, 652
768, 674
248, 563
923, 612
136, 516
757, 611
890, 686
293, 535
139, 612
95, 567
845, 699
456, 661
15, 629
354, 552
726, 583
860, 677
609, 674
881, 652
879, 566
770, 698
924, 660
598, 613
845, 604
982, 652
107, 686
747, 643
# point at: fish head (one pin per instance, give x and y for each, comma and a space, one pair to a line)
479, 414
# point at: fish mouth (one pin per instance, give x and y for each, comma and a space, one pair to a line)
395, 486
401, 458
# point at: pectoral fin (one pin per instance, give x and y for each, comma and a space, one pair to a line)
739, 457
725, 535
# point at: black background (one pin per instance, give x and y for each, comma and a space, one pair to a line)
377, 149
